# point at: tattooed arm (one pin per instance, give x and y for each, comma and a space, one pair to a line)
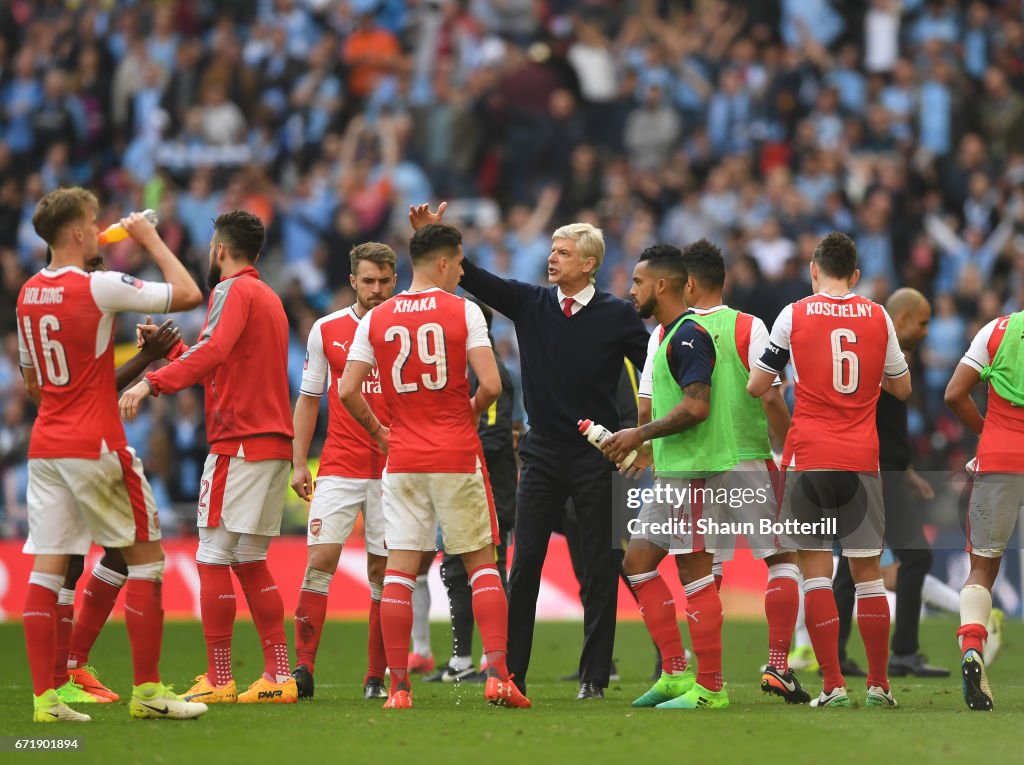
351, 392
692, 410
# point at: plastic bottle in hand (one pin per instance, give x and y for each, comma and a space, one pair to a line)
597, 433
117, 232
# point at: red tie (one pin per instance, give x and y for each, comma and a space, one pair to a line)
567, 306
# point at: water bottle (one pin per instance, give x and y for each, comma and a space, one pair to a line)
598, 433
117, 232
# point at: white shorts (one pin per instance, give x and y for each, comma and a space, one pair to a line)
753, 487
74, 502
244, 497
996, 500
416, 503
336, 504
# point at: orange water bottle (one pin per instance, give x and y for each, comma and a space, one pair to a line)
117, 232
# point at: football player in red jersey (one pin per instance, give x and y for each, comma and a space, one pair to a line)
76, 682
245, 477
844, 350
998, 491
348, 481
421, 340
85, 483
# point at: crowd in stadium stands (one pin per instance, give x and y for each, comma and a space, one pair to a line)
760, 125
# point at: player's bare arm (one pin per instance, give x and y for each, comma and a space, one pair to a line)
28, 374
900, 387
132, 398
486, 370
760, 382
420, 215
155, 342
304, 422
350, 390
692, 410
777, 412
958, 397
185, 293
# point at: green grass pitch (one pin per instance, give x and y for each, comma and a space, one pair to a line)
451, 724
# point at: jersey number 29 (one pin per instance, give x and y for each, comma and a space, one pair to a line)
427, 335
55, 361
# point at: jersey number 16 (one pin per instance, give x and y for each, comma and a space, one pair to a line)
55, 361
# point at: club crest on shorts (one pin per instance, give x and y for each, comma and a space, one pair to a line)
314, 526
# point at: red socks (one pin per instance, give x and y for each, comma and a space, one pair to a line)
781, 607
217, 606
376, 657
873, 622
310, 614
99, 592
267, 610
490, 610
65, 623
659, 612
972, 636
822, 621
144, 618
396, 624
704, 615
39, 620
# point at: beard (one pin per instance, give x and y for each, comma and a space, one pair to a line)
646, 310
213, 276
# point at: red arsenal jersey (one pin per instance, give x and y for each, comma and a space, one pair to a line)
999, 450
241, 359
420, 341
349, 450
65, 332
840, 348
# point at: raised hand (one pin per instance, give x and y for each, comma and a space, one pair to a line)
420, 215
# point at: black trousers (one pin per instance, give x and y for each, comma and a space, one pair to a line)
552, 472
904, 535
460, 596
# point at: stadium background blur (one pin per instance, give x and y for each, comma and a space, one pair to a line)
760, 125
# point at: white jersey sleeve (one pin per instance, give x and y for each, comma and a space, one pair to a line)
758, 342
361, 350
24, 352
476, 326
646, 387
115, 292
895, 361
314, 371
977, 355
775, 355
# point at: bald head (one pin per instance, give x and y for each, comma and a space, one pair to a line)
910, 314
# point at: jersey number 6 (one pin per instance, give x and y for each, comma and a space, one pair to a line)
848, 382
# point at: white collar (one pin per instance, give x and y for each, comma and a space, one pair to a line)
847, 296
583, 297
706, 311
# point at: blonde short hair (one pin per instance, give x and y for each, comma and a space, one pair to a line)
589, 243
60, 208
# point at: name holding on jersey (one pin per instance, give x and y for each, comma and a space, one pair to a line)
840, 310
411, 305
43, 295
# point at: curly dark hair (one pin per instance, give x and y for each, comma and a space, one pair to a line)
241, 232
705, 263
666, 259
836, 255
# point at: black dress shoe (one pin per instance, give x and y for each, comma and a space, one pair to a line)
590, 691
849, 668
613, 674
303, 681
914, 664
